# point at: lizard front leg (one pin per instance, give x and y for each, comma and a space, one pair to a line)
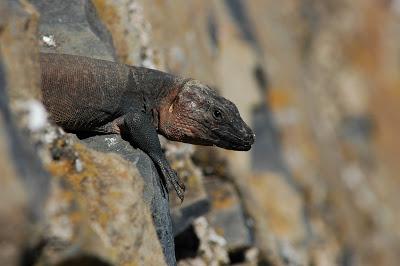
137, 127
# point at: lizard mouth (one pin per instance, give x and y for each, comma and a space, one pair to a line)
230, 141
234, 146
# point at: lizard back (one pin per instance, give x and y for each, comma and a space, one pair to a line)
81, 93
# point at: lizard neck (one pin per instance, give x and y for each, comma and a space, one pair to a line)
160, 90
154, 83
166, 122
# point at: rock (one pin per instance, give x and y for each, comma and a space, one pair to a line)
227, 217
72, 27
111, 193
196, 201
211, 249
13, 194
154, 194
19, 50
69, 234
153, 35
130, 30
322, 60
182, 43
24, 181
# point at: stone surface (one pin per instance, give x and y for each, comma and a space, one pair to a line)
14, 201
211, 250
24, 182
113, 199
325, 66
154, 194
226, 215
196, 201
131, 31
18, 49
72, 27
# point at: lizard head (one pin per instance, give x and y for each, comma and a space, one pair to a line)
196, 114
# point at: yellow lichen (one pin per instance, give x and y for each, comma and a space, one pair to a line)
222, 199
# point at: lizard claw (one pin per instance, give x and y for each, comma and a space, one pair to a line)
173, 180
181, 184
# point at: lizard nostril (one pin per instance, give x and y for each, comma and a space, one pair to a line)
252, 137
249, 135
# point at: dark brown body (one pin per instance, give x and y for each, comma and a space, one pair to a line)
83, 93
86, 94
73, 107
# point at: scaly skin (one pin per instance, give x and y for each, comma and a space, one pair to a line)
85, 94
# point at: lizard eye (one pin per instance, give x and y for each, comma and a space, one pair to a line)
217, 114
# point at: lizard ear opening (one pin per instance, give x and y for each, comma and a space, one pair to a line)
171, 107
173, 103
166, 110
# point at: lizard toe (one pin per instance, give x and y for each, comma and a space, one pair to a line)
180, 194
178, 186
173, 180
181, 184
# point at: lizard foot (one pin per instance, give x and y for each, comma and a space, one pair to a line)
174, 181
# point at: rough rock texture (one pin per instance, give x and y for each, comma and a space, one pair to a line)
226, 215
14, 202
113, 201
24, 181
153, 193
332, 129
72, 27
196, 202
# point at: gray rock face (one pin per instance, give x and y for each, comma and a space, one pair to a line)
24, 183
74, 28
13, 201
154, 193
227, 215
106, 218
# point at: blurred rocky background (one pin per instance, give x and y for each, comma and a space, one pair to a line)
318, 81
